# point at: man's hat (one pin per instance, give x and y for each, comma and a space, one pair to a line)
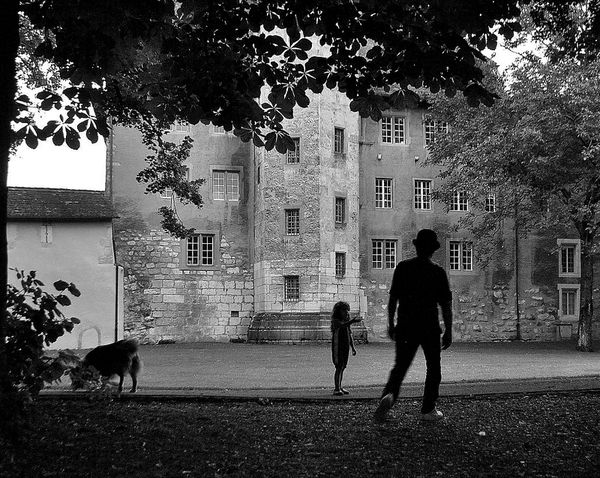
428, 239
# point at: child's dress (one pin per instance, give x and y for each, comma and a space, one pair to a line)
340, 343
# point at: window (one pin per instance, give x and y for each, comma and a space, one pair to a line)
293, 155
180, 128
46, 234
490, 203
431, 128
461, 256
200, 250
569, 258
459, 201
384, 253
225, 185
392, 130
338, 140
292, 222
423, 194
568, 301
218, 129
340, 264
291, 288
383, 193
166, 193
340, 211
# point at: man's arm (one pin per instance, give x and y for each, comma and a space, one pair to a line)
447, 316
445, 301
392, 305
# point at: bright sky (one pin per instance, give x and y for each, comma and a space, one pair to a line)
61, 167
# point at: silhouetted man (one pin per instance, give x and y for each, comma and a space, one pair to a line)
418, 287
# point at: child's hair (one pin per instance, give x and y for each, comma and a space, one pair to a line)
337, 313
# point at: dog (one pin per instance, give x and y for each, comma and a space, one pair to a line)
120, 358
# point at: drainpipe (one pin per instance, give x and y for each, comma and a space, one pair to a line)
517, 310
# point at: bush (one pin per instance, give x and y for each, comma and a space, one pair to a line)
34, 321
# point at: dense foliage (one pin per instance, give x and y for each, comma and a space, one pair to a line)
536, 149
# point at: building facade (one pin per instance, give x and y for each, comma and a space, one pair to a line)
282, 237
67, 235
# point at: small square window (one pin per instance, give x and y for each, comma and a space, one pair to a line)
293, 156
460, 256
166, 193
225, 185
180, 128
459, 201
338, 141
340, 265
340, 211
200, 250
432, 128
292, 222
384, 253
291, 288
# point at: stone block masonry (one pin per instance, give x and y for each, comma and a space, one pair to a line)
165, 302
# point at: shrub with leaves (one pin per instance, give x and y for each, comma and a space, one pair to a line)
34, 321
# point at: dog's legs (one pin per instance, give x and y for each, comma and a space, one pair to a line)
134, 382
121, 378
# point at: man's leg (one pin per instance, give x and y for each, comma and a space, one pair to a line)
431, 349
405, 353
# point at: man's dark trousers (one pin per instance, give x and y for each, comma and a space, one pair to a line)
406, 349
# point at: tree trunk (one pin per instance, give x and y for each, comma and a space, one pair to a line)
9, 44
586, 311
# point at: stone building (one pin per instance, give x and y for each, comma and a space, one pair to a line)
282, 237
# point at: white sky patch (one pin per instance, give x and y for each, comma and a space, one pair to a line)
50, 166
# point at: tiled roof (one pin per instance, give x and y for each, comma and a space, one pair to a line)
58, 204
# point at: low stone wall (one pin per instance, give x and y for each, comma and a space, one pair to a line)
297, 328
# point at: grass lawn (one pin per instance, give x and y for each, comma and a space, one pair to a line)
539, 436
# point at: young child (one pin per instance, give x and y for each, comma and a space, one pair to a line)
341, 342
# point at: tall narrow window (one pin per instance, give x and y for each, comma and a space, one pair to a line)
384, 253
291, 288
461, 256
490, 203
200, 250
459, 201
292, 222
423, 194
340, 265
338, 140
46, 234
569, 297
226, 185
569, 258
383, 193
568, 301
293, 155
340, 211
392, 130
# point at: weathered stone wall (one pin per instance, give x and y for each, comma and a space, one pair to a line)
165, 299
164, 302
311, 185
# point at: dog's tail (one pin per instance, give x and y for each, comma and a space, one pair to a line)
129, 345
